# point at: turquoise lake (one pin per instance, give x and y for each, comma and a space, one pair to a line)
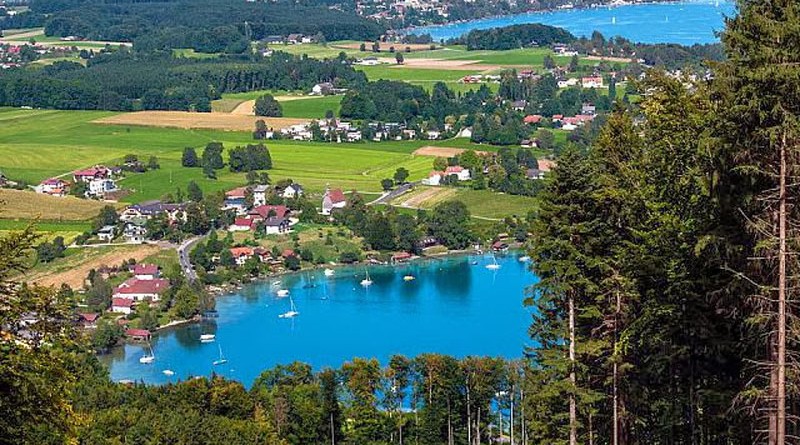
684, 22
454, 306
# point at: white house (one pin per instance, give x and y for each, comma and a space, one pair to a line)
434, 178
592, 82
107, 233
134, 233
146, 271
460, 172
260, 195
138, 290
333, 199
241, 225
99, 187
433, 134
241, 254
571, 82
122, 305
52, 187
292, 191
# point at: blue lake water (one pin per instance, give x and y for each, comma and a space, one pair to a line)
685, 22
452, 307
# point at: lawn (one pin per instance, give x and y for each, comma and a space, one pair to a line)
313, 108
482, 204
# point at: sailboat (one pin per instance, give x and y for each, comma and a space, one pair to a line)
283, 292
207, 338
292, 310
148, 358
494, 265
366, 281
222, 360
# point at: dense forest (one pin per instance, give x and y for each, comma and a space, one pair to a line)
135, 80
205, 25
515, 36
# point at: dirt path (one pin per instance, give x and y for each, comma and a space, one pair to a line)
444, 152
245, 108
436, 194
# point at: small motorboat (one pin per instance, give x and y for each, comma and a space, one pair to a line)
524, 258
329, 272
409, 278
283, 292
168, 372
207, 338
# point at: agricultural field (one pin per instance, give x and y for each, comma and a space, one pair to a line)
24, 205
482, 204
296, 105
44, 143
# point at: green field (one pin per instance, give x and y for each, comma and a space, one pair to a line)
38, 144
311, 108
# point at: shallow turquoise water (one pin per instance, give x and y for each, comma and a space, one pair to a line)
685, 22
452, 307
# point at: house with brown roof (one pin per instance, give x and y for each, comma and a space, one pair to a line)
122, 305
138, 334
241, 254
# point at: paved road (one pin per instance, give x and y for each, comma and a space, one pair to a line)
387, 197
183, 257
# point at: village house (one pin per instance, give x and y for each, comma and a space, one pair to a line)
588, 109
322, 89
151, 209
146, 271
53, 187
532, 119
333, 199
369, 61
260, 195
566, 83
292, 191
90, 174
276, 225
461, 173
88, 320
519, 105
264, 255
434, 178
433, 134
107, 233
98, 188
141, 290
592, 82
122, 305
138, 334
241, 254
266, 211
241, 225
134, 233
235, 200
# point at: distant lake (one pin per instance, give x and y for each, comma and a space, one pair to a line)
453, 307
686, 22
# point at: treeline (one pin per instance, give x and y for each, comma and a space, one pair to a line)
665, 55
205, 25
129, 80
515, 36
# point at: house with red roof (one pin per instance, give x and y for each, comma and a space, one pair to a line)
88, 320
267, 211
333, 199
235, 199
461, 173
532, 119
53, 187
138, 290
91, 174
592, 82
241, 254
122, 305
146, 271
138, 334
242, 225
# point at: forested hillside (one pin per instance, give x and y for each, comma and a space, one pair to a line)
205, 25
125, 80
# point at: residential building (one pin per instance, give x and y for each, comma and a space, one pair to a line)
99, 187
241, 225
139, 290
241, 254
333, 199
122, 305
292, 191
146, 272
134, 233
138, 334
434, 178
266, 211
53, 187
260, 195
150, 209
592, 82
88, 320
276, 225
90, 174
235, 199
107, 233
461, 173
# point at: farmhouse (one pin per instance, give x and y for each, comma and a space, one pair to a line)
235, 199
592, 82
99, 187
241, 225
107, 233
292, 191
138, 290
88, 320
146, 272
53, 187
461, 173
150, 209
276, 225
532, 119
266, 211
134, 233
241, 254
122, 305
434, 178
333, 199
90, 174
260, 195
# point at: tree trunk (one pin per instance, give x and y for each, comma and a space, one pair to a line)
781, 395
615, 437
573, 418
469, 416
